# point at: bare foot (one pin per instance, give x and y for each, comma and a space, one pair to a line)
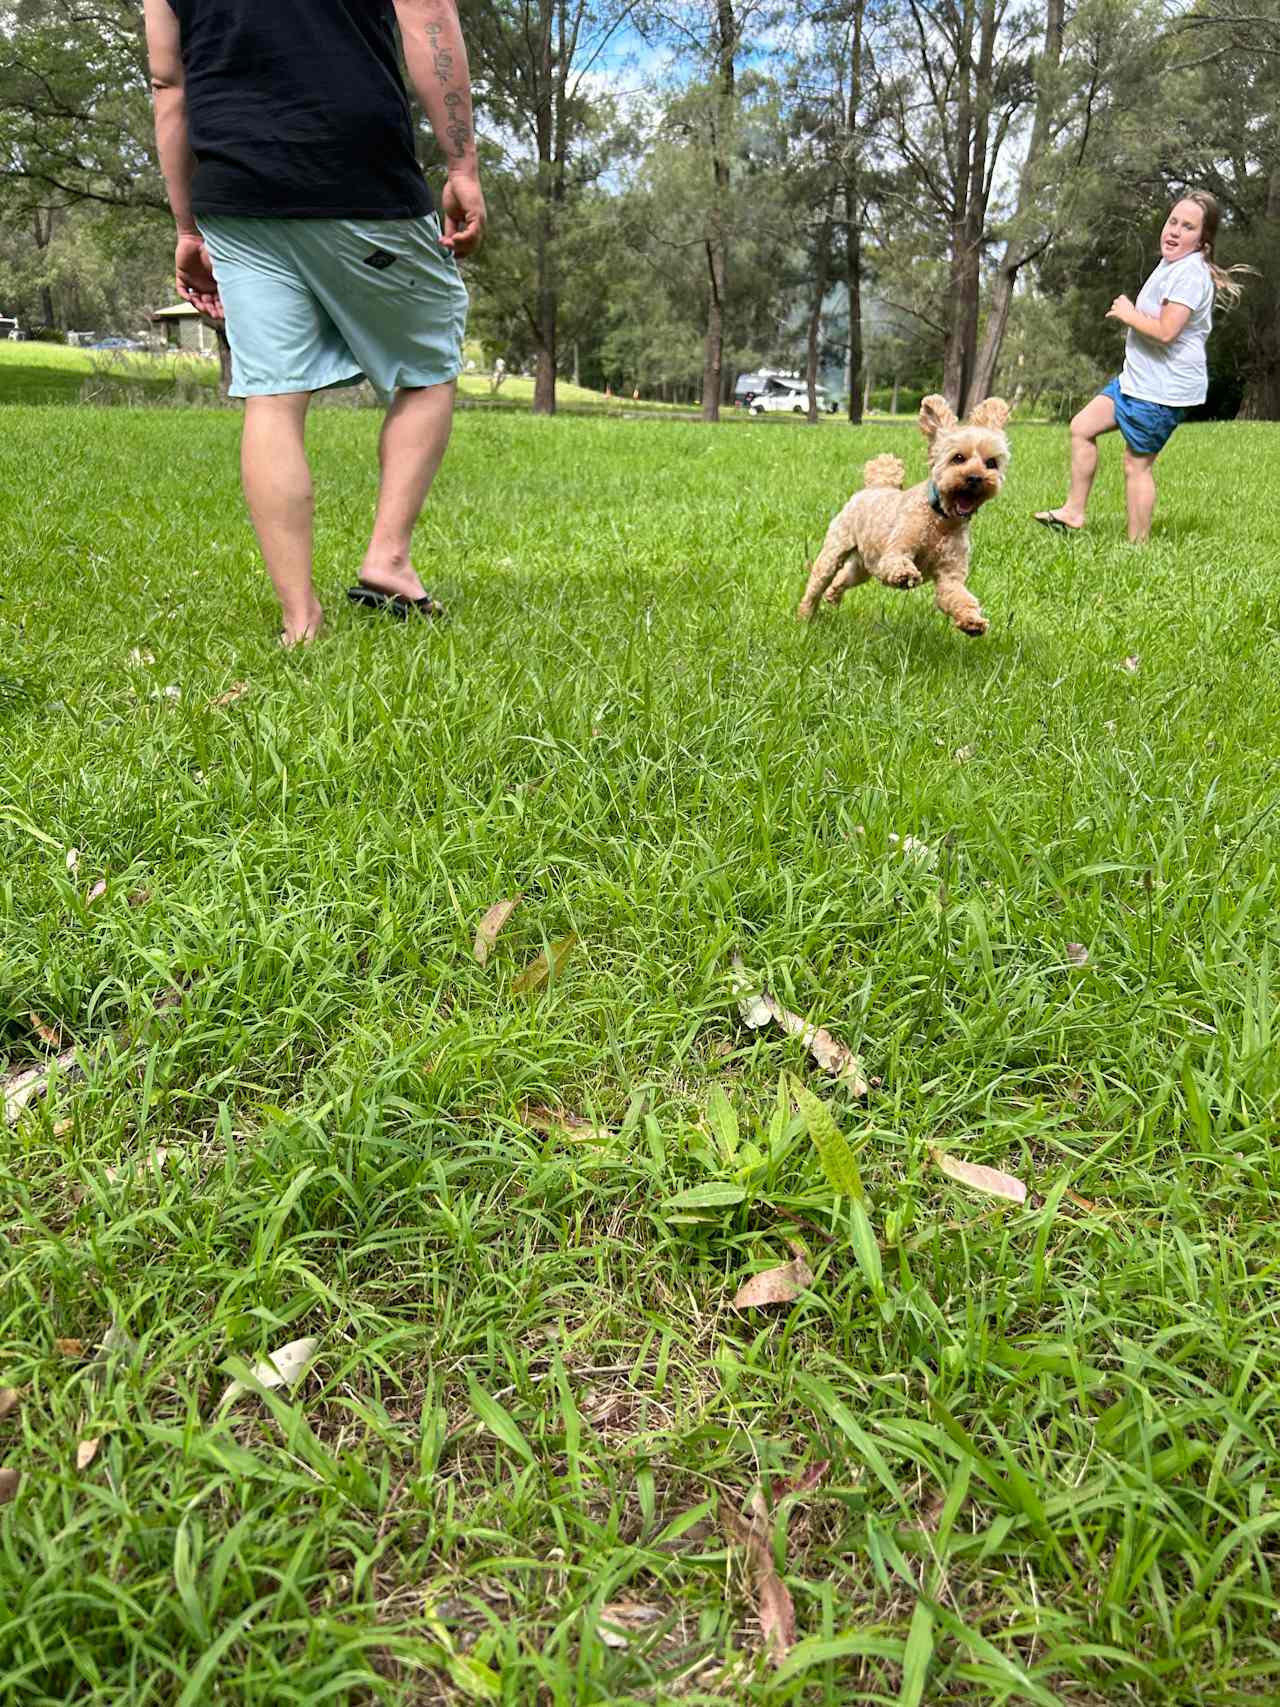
392, 575
303, 630
1058, 522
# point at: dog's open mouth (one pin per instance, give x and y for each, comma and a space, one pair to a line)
963, 504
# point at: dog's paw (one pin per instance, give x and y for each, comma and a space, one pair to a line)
974, 625
902, 575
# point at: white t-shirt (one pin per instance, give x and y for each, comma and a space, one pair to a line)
1176, 373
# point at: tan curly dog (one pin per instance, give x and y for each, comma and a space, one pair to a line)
903, 538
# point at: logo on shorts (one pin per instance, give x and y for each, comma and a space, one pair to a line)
381, 259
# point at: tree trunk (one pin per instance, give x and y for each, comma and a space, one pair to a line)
42, 231
969, 213
544, 373
548, 128
716, 239
853, 283
822, 266
1018, 251
713, 343
1261, 401
893, 406
999, 302
853, 215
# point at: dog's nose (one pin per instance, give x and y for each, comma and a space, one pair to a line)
973, 480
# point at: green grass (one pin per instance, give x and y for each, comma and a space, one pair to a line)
53, 373
518, 393
1051, 1430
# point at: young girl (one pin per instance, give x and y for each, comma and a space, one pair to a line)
1164, 371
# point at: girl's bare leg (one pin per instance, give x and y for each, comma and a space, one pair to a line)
1095, 419
1139, 493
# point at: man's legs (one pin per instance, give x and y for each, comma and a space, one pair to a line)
1087, 428
414, 436
277, 487
1139, 493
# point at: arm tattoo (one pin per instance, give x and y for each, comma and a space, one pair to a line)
441, 58
457, 130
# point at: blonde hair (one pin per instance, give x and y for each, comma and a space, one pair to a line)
1226, 287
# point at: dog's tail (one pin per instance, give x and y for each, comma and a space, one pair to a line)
884, 471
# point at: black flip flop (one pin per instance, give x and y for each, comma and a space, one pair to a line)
372, 598
1055, 523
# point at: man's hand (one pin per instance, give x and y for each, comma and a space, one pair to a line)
464, 214
1121, 309
196, 283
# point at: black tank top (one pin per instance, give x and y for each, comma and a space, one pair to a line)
297, 110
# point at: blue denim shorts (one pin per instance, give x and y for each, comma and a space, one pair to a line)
313, 303
1145, 427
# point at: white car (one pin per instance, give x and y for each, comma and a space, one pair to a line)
791, 399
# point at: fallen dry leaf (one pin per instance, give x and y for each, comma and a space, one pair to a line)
804, 1483
774, 1606
491, 924
141, 658
69, 1348
988, 1180
97, 892
779, 1285
622, 1620
1077, 954
834, 1057
10, 1398
236, 691
962, 755
1132, 664
777, 1613
21, 1088
543, 966
1085, 1203
562, 1122
86, 1452
281, 1368
139, 898
9, 1480
62, 1127
155, 1161
756, 1011
49, 1035
73, 858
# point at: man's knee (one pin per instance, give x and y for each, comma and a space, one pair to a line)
1135, 465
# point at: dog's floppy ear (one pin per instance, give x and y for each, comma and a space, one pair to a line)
993, 413
936, 414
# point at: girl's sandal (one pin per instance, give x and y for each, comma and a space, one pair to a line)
1047, 519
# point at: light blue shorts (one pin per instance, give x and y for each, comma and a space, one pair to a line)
312, 303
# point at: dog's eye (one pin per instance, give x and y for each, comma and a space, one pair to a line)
992, 463
958, 457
